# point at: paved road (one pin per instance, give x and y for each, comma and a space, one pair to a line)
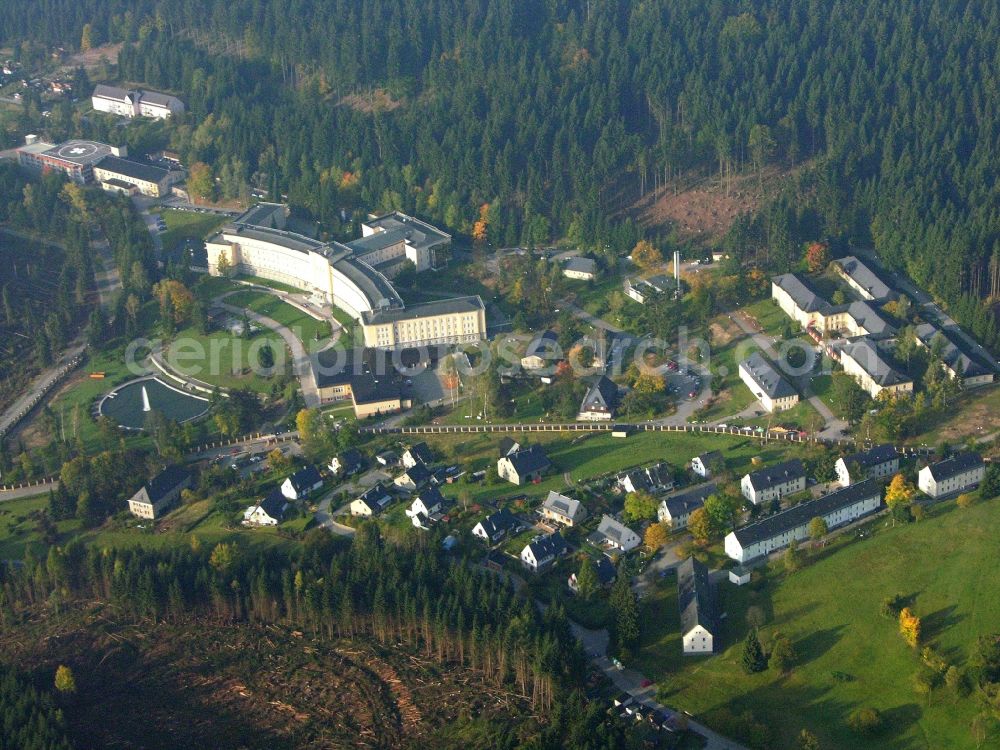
833, 427
595, 643
301, 361
38, 489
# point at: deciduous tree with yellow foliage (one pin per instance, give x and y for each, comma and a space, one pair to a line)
909, 627
646, 256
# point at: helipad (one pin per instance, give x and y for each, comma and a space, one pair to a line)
80, 152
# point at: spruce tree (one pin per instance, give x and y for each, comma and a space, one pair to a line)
753, 654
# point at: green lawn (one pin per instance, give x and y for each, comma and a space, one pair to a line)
849, 656
304, 326
733, 396
261, 281
822, 386
222, 359
183, 225
584, 456
19, 530
769, 316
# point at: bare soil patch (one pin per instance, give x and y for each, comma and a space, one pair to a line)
376, 100
703, 209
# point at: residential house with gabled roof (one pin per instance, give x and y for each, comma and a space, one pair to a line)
697, 607
508, 445
543, 352
268, 512
653, 479
774, 482
349, 462
413, 479
613, 534
302, 483
605, 570
417, 454
708, 464
430, 506
879, 462
565, 510
160, 492
584, 269
372, 502
959, 473
524, 466
676, 509
779, 530
496, 526
600, 402
542, 551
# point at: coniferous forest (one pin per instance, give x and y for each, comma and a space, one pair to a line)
545, 117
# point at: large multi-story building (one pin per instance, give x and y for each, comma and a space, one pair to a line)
349, 277
75, 159
962, 358
865, 279
767, 385
873, 370
800, 301
113, 172
879, 462
778, 531
135, 102
774, 483
959, 473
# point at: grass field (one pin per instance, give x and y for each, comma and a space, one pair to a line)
184, 225
848, 655
733, 396
769, 316
19, 530
582, 457
222, 359
305, 327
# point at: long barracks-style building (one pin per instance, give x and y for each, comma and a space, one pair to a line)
354, 276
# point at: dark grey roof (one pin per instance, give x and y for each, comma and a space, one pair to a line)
689, 500
377, 241
764, 479
157, 97
418, 233
694, 596
581, 265
433, 500
606, 572
802, 292
508, 444
289, 240
603, 395
305, 478
366, 389
376, 498
867, 277
880, 454
113, 92
955, 465
418, 473
375, 286
500, 521
421, 452
958, 353
873, 321
876, 364
768, 379
166, 481
650, 478
612, 528
528, 460
713, 460
803, 513
274, 504
425, 310
350, 458
266, 215
552, 545
561, 504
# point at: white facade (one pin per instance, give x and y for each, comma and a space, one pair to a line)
777, 491
698, 640
255, 515
782, 403
953, 485
861, 361
878, 471
755, 546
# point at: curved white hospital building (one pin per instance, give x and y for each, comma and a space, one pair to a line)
353, 276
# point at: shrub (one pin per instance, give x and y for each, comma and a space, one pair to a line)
865, 720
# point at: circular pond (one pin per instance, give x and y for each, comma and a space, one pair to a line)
129, 404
